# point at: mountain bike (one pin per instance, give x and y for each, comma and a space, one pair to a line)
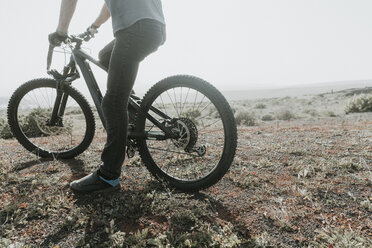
183, 128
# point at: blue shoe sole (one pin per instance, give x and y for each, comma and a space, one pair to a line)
109, 189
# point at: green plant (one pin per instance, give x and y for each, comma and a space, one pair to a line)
262, 240
311, 112
260, 106
233, 109
192, 114
267, 118
331, 114
76, 111
349, 165
340, 238
245, 118
285, 115
4, 242
366, 204
31, 123
5, 132
360, 104
183, 221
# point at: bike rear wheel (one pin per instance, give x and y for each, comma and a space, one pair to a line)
201, 118
30, 112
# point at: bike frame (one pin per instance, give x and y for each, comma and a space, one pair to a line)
82, 59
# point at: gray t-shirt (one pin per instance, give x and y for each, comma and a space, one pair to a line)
124, 13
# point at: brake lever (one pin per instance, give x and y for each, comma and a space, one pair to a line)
86, 36
50, 56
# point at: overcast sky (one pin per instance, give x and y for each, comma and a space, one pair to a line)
235, 44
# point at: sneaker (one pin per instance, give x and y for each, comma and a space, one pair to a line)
94, 183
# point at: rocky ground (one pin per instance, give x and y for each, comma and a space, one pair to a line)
301, 179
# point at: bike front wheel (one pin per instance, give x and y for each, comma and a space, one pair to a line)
204, 136
30, 118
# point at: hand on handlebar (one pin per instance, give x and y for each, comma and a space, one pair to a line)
56, 39
89, 33
92, 29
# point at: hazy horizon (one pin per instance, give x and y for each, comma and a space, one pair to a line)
242, 45
263, 93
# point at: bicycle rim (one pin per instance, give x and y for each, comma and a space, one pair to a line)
33, 115
200, 120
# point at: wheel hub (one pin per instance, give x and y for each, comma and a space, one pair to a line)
188, 134
43, 124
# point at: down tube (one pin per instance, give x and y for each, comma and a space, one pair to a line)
92, 86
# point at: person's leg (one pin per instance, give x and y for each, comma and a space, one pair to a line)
104, 55
131, 47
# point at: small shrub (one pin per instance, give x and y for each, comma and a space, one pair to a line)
349, 166
213, 113
5, 132
233, 109
267, 118
76, 112
360, 104
340, 238
331, 114
183, 221
298, 153
311, 112
366, 204
285, 115
4, 242
260, 106
245, 118
192, 114
30, 125
262, 240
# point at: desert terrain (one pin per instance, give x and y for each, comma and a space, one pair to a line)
302, 177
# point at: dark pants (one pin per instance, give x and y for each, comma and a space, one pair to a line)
130, 47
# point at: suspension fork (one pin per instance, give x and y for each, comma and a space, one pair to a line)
59, 105
62, 107
61, 99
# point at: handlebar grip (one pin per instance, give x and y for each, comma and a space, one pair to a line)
50, 56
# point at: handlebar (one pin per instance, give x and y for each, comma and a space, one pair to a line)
77, 39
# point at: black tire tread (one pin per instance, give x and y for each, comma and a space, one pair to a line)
17, 132
224, 165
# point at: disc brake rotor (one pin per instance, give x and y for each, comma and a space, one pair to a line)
188, 134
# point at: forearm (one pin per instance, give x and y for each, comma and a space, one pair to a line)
104, 15
67, 11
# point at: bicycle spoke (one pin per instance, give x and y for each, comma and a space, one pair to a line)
205, 107
175, 101
201, 101
43, 96
187, 95
196, 95
158, 149
173, 104
194, 146
35, 110
163, 105
197, 142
